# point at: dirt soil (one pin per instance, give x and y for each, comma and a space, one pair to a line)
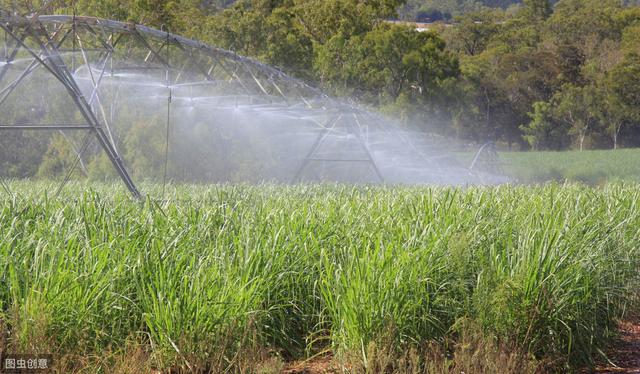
318, 365
625, 355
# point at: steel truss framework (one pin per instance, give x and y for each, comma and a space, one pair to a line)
63, 44
56, 43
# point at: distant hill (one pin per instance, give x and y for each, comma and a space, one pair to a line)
218, 3
430, 10
420, 10
437, 10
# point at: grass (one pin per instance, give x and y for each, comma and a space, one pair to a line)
223, 278
590, 167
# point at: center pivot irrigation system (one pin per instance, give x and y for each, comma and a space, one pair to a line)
61, 46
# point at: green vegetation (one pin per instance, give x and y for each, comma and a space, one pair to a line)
385, 279
439, 10
590, 167
229, 276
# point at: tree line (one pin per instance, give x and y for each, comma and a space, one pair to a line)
561, 75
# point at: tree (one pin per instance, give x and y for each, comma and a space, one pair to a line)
584, 24
386, 62
323, 19
542, 133
240, 28
473, 32
575, 106
537, 10
621, 93
286, 45
612, 114
485, 109
60, 158
21, 153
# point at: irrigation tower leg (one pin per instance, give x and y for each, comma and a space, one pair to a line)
49, 58
323, 134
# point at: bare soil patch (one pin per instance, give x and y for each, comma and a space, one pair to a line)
319, 365
625, 354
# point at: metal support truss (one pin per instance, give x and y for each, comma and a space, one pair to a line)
46, 127
48, 57
350, 128
63, 44
487, 160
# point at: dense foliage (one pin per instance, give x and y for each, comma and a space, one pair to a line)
222, 272
536, 76
437, 10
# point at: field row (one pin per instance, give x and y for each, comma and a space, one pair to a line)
224, 272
